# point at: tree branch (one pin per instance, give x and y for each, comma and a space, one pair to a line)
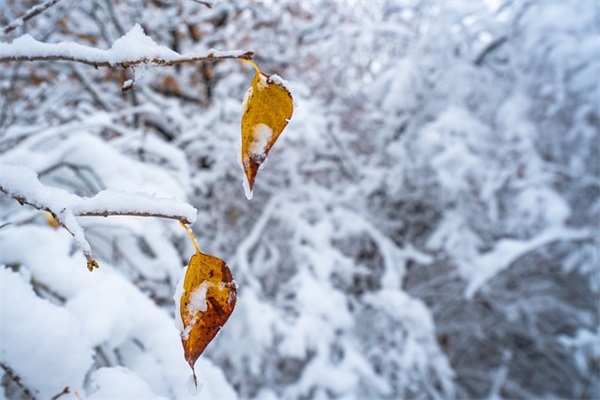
210, 56
32, 12
25, 392
23, 185
99, 213
134, 48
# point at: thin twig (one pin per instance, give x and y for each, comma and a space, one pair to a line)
208, 4
490, 48
111, 213
211, 56
32, 12
66, 390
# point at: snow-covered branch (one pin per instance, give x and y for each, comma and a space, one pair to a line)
508, 251
32, 12
133, 48
23, 185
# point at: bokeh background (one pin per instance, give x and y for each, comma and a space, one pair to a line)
426, 227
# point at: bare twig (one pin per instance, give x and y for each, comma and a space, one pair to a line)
208, 4
32, 12
490, 48
210, 56
111, 213
61, 394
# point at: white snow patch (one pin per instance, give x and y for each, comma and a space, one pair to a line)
262, 136
197, 304
246, 97
276, 79
135, 44
245, 184
127, 85
177, 298
42, 343
120, 382
262, 82
198, 299
213, 382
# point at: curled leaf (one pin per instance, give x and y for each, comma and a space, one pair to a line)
208, 298
268, 107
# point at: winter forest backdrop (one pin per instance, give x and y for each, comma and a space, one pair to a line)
427, 226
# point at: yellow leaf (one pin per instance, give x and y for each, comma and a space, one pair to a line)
51, 220
208, 298
268, 107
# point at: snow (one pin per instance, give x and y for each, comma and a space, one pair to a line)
583, 343
422, 207
103, 310
246, 97
276, 79
34, 346
27, 46
261, 135
119, 382
196, 304
487, 265
177, 300
128, 84
22, 182
262, 82
198, 299
134, 45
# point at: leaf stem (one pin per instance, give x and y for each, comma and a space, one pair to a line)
191, 235
253, 65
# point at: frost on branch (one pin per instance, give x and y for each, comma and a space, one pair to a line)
23, 185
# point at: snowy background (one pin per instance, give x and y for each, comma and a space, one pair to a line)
427, 226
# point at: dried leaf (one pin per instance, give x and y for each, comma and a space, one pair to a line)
207, 301
268, 107
51, 220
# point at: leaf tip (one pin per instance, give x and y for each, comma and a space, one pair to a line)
192, 384
248, 183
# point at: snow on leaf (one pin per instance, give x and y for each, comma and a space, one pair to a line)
208, 298
268, 107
